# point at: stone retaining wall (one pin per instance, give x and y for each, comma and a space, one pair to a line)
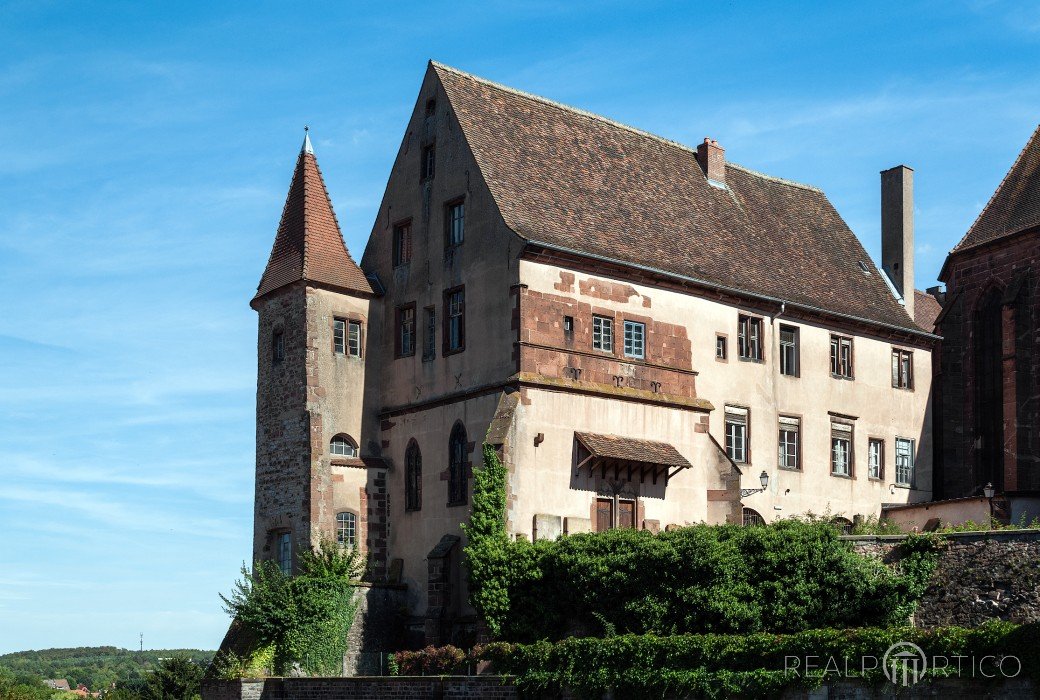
981, 576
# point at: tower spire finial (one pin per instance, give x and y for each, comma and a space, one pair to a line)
307, 148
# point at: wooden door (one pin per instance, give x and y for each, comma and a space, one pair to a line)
627, 514
604, 514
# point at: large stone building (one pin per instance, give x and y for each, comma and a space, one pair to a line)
650, 336
990, 358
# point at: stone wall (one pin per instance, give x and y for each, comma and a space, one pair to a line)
981, 576
399, 688
378, 628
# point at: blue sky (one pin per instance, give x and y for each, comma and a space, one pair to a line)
145, 152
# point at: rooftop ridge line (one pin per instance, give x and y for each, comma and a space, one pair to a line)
606, 120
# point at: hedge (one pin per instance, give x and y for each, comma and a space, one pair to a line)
717, 665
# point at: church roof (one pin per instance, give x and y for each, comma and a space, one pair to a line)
582, 183
1015, 206
309, 245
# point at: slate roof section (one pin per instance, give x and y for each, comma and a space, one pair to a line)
309, 245
632, 450
1015, 205
580, 182
926, 310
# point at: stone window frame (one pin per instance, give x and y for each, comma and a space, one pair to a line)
722, 340
898, 380
456, 203
446, 348
401, 243
837, 359
795, 349
458, 465
399, 318
413, 477
747, 431
746, 350
340, 527
798, 440
871, 441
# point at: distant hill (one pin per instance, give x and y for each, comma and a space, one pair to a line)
95, 667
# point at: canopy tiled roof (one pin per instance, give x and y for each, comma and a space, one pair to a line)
1015, 206
580, 182
632, 450
309, 245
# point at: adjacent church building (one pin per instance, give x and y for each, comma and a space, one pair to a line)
650, 335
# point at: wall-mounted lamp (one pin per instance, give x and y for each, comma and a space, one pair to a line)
763, 479
988, 490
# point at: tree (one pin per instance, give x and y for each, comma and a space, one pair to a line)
176, 678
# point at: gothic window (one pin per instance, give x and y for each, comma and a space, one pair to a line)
346, 529
343, 445
989, 390
457, 466
413, 477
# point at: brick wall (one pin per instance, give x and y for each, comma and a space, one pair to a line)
1008, 267
981, 576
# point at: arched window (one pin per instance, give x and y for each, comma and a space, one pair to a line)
346, 529
843, 524
751, 517
989, 389
413, 477
457, 465
343, 445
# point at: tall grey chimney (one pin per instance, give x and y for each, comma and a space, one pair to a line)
897, 231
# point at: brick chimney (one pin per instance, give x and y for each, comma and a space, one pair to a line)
897, 231
712, 158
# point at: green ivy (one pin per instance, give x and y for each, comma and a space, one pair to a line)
790, 576
298, 621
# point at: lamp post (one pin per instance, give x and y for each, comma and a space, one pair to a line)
763, 479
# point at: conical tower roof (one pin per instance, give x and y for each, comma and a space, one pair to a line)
309, 245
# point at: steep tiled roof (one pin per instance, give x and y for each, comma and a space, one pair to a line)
926, 310
1015, 206
309, 245
573, 180
631, 449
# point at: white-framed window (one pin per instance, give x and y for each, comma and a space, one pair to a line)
789, 350
841, 449
902, 369
876, 458
343, 445
737, 434
905, 449
749, 337
603, 333
841, 357
635, 335
284, 550
789, 439
346, 529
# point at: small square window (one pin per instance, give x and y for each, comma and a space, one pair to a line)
568, 328
635, 336
721, 351
602, 333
